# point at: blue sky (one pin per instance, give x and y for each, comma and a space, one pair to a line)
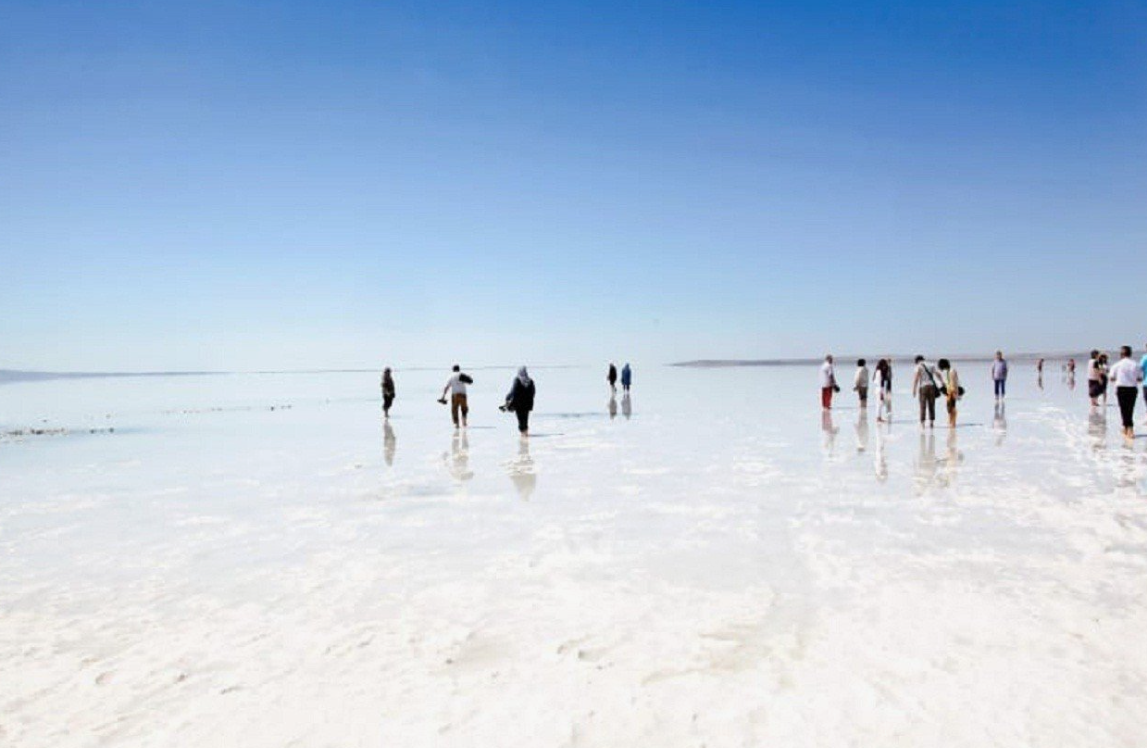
289, 184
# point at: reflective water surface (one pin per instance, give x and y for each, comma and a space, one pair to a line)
207, 560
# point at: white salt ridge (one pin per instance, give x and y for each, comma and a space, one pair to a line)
717, 570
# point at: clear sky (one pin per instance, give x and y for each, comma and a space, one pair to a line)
323, 184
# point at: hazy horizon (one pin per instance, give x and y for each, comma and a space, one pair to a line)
842, 359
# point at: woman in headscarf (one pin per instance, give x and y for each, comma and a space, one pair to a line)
520, 400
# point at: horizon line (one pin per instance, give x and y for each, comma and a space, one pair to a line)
973, 357
13, 375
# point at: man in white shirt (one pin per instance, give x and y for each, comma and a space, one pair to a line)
1126, 375
456, 386
827, 383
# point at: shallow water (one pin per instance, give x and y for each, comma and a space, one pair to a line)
260, 560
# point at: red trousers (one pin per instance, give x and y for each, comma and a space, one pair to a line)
826, 397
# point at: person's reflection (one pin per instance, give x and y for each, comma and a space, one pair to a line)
626, 405
829, 429
881, 461
862, 431
522, 472
926, 465
389, 442
1000, 422
612, 407
1097, 427
458, 460
952, 460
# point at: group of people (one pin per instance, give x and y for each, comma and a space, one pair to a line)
1127, 375
519, 400
930, 383
881, 377
626, 378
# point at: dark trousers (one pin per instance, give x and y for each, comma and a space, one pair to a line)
1001, 385
1126, 397
523, 420
927, 402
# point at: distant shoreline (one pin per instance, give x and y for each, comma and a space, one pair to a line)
18, 375
11, 376
718, 363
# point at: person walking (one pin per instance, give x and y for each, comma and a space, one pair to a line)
951, 383
924, 387
520, 400
387, 392
611, 377
1000, 376
883, 379
626, 377
860, 383
456, 387
1127, 377
827, 382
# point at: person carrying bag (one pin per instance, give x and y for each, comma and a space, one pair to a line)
520, 400
925, 387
